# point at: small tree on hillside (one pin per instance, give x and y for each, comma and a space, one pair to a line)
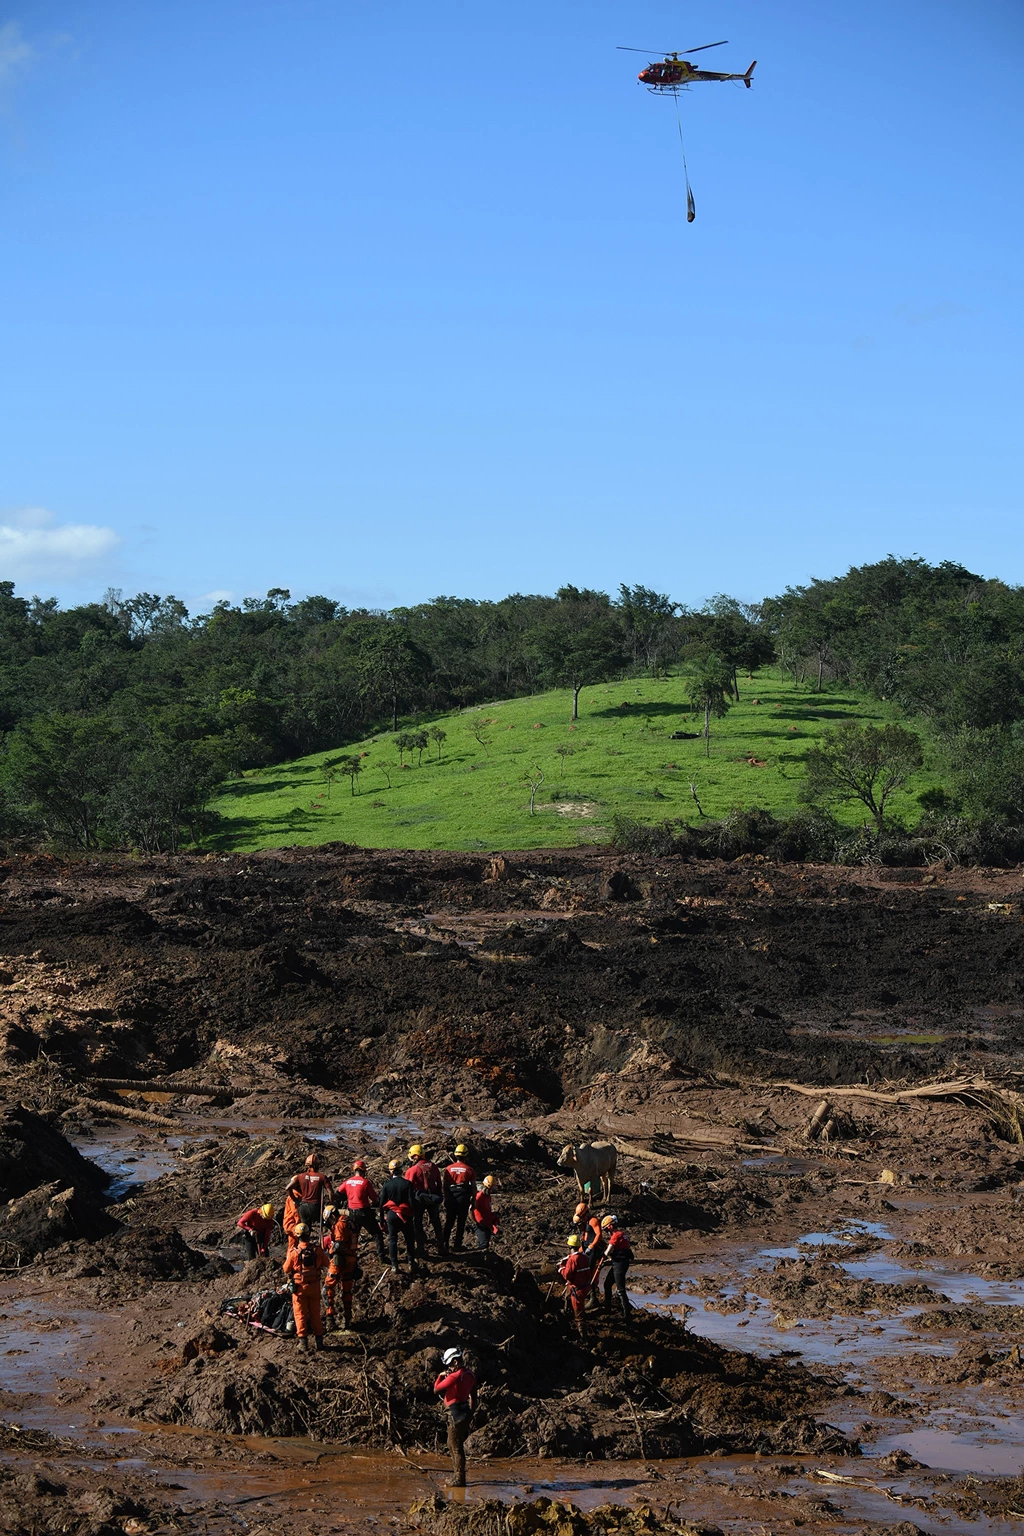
710, 686
868, 763
420, 742
535, 778
352, 765
437, 735
406, 742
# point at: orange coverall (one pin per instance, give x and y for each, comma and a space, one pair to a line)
302, 1267
344, 1244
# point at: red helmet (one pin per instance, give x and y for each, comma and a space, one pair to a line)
312, 1161
358, 1166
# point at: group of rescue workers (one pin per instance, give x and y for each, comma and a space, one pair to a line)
596, 1242
406, 1201
398, 1212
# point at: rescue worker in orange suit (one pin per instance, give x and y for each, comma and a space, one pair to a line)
588, 1226
458, 1384
577, 1269
256, 1226
458, 1182
483, 1214
362, 1198
312, 1189
618, 1255
290, 1219
396, 1207
303, 1267
341, 1242
425, 1178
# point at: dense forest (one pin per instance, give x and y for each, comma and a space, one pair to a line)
119, 718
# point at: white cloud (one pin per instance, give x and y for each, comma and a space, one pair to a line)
34, 546
15, 54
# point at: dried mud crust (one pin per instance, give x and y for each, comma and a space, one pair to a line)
646, 1390
500, 984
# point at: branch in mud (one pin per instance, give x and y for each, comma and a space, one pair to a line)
125, 1112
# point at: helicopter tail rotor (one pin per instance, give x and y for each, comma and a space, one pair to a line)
750, 71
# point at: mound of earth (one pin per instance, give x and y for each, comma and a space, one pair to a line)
648, 1389
817, 1288
135, 1256
53, 1194
547, 1517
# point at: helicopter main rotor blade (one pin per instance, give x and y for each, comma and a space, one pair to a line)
705, 45
649, 51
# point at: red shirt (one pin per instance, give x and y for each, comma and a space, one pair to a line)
458, 1387
252, 1221
483, 1215
459, 1173
577, 1270
619, 1246
308, 1186
359, 1193
424, 1177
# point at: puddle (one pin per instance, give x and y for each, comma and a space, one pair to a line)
331, 1128
779, 1166
128, 1157
994, 1448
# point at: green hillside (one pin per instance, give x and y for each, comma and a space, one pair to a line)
620, 758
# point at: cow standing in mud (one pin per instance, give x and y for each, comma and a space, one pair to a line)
593, 1163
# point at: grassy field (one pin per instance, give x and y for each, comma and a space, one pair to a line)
620, 758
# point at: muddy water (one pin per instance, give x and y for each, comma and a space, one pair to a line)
128, 1156
53, 1366
966, 1432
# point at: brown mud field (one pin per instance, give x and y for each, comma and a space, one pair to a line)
811, 1078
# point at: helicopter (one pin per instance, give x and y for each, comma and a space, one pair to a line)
675, 73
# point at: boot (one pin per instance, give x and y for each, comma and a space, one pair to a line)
319, 1341
304, 1343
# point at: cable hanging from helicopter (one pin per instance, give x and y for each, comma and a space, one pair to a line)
674, 73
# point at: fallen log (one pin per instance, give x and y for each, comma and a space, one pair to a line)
948, 1090
125, 1112
151, 1085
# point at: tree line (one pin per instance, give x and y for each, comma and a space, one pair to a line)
119, 718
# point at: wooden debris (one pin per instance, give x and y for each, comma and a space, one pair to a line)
125, 1112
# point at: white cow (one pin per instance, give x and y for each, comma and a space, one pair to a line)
592, 1161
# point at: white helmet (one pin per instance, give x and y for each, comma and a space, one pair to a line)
450, 1356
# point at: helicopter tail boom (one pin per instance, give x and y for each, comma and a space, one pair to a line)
750, 71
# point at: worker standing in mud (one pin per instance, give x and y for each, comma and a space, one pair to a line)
397, 1199
578, 1271
458, 1384
290, 1218
588, 1226
459, 1186
311, 1190
361, 1198
483, 1213
618, 1255
425, 1178
256, 1226
341, 1242
303, 1267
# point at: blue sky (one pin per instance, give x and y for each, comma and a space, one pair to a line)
392, 300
